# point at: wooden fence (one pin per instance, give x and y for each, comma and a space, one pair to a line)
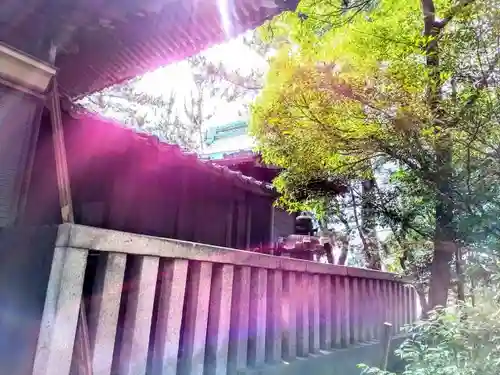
160, 306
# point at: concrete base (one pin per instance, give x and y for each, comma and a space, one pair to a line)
337, 362
25, 261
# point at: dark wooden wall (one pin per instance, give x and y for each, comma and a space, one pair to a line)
283, 223
19, 123
122, 181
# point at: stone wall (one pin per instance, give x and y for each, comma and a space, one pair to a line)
160, 306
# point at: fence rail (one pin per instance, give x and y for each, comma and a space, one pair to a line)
160, 306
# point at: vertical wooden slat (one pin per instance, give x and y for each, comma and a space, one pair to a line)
411, 308
338, 311
272, 234
29, 164
241, 230
133, 355
347, 337
314, 314
258, 317
302, 297
396, 302
406, 304
248, 228
182, 228
355, 310
173, 279
240, 309
363, 318
391, 308
274, 334
374, 300
219, 318
400, 306
229, 224
385, 292
289, 315
197, 301
383, 305
380, 309
60, 313
82, 360
104, 310
413, 304
326, 314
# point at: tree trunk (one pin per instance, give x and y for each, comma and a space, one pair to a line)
329, 253
344, 251
460, 275
424, 305
368, 225
445, 233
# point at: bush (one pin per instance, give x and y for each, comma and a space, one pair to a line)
462, 340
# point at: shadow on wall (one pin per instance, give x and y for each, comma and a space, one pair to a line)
25, 261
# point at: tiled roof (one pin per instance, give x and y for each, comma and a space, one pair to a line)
104, 42
246, 182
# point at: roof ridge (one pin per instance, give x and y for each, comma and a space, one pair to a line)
79, 112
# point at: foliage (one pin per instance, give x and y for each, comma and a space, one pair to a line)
397, 84
172, 117
462, 340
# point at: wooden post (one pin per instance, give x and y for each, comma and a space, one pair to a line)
248, 230
63, 183
66, 204
229, 222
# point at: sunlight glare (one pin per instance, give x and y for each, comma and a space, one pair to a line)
223, 6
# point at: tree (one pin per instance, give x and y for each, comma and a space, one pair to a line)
409, 84
172, 116
161, 115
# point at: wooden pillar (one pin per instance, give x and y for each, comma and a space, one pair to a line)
229, 222
248, 221
272, 234
63, 182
